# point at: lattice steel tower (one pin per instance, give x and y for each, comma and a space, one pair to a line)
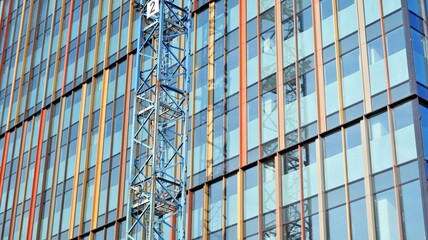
157, 184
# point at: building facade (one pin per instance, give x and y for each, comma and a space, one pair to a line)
308, 119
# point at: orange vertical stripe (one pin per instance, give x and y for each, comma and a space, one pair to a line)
67, 46
36, 175
189, 214
3, 164
242, 83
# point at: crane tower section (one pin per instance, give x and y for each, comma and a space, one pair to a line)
157, 171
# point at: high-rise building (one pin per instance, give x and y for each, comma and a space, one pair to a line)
309, 119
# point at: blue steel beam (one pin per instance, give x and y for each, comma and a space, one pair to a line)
157, 170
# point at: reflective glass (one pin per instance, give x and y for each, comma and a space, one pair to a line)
359, 220
404, 131
386, 215
412, 211
333, 161
380, 142
336, 223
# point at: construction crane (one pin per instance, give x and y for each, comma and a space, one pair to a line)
157, 171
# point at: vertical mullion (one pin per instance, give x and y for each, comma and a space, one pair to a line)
58, 49
210, 109
321, 192
122, 189
24, 56
18, 180
67, 46
345, 170
61, 106
3, 164
36, 175
385, 54
278, 184
242, 82
364, 56
338, 63
319, 66
77, 163
279, 75
27, 184
99, 158
368, 186
15, 68
395, 174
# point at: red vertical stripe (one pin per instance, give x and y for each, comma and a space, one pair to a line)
67, 47
36, 175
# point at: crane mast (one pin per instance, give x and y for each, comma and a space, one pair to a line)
157, 170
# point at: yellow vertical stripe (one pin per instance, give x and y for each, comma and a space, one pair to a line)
96, 199
77, 164
210, 108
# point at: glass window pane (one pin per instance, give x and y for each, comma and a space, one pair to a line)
386, 216
333, 161
359, 220
354, 153
336, 224
215, 207
269, 196
380, 143
290, 178
251, 193
412, 212
405, 143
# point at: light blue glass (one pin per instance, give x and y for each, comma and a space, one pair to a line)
333, 161
199, 150
420, 57
202, 29
269, 187
253, 124
412, 211
305, 34
347, 17
351, 78
252, 9
327, 22
386, 216
232, 72
232, 133
308, 99
359, 220
251, 193
253, 62
233, 15
269, 116
215, 206
336, 224
268, 53
231, 200
376, 66
380, 143
404, 131
397, 56
371, 11
331, 88
310, 177
197, 213
290, 178
354, 153
390, 5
